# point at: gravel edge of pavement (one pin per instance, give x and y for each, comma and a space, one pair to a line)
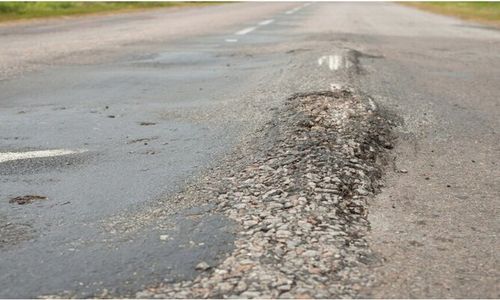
299, 190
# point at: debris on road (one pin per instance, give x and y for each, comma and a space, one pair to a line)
301, 203
143, 140
22, 200
147, 123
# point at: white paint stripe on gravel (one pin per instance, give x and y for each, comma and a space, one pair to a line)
231, 40
9, 156
246, 30
266, 22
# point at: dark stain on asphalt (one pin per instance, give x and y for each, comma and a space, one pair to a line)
147, 123
142, 140
27, 199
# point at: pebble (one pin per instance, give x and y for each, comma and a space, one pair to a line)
202, 266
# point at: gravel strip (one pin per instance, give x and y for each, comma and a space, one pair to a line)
301, 202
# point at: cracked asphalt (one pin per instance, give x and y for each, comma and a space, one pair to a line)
106, 120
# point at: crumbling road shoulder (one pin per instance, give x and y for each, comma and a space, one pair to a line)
301, 203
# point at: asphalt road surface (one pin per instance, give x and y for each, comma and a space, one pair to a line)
107, 117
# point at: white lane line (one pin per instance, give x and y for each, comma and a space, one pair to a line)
246, 30
266, 22
306, 4
231, 40
8, 156
293, 10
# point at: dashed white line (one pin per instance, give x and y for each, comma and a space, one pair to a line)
245, 31
293, 10
9, 156
266, 22
250, 29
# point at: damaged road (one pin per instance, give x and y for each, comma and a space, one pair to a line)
301, 204
288, 150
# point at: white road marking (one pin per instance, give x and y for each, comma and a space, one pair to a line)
306, 4
246, 30
293, 10
373, 106
334, 61
231, 40
266, 22
8, 156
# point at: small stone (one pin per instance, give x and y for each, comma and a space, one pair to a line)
283, 233
202, 266
285, 287
241, 287
164, 237
250, 223
310, 253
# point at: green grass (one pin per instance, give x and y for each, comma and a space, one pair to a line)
488, 12
29, 10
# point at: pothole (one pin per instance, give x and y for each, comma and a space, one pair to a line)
301, 204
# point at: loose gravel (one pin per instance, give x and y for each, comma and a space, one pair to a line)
301, 203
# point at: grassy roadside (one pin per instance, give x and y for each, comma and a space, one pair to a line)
11, 11
484, 12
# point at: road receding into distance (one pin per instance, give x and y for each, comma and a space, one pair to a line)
250, 149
